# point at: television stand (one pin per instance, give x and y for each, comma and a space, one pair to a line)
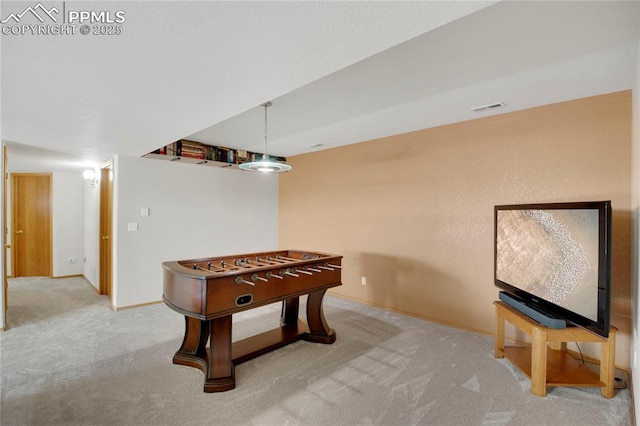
546, 361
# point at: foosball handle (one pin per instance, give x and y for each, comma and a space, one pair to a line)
256, 277
239, 280
271, 275
291, 274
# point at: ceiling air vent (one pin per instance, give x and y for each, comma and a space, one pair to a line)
488, 107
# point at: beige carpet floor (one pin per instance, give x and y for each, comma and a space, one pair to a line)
68, 359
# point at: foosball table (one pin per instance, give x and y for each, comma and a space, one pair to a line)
209, 291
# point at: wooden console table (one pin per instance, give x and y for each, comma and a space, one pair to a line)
546, 361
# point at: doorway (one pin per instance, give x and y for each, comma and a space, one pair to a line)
106, 203
31, 226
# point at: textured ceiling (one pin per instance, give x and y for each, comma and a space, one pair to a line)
524, 54
337, 72
180, 67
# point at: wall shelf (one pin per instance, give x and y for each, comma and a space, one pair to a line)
191, 152
188, 160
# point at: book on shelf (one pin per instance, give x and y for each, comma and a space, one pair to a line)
192, 150
225, 155
241, 156
173, 149
210, 152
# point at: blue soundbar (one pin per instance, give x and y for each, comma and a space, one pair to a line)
543, 318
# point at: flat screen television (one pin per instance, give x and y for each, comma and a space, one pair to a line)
556, 258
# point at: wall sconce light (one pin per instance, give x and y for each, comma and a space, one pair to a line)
90, 175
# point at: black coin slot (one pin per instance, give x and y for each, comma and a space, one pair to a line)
244, 300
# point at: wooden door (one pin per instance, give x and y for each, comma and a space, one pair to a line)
106, 202
31, 224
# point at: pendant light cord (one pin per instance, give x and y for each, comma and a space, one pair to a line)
265, 105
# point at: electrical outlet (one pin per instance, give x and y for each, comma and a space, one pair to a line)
364, 280
132, 226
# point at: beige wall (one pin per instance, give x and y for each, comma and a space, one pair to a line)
414, 213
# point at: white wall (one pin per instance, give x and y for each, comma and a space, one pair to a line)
67, 221
195, 211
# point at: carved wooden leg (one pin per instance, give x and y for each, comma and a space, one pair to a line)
290, 308
319, 330
193, 351
220, 374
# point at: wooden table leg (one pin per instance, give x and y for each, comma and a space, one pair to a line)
557, 345
221, 371
539, 361
319, 330
607, 364
499, 339
193, 351
290, 309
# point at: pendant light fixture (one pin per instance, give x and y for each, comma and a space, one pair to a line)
265, 165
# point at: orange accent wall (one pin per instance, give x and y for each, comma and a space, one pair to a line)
414, 213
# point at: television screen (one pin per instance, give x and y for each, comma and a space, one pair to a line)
557, 257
